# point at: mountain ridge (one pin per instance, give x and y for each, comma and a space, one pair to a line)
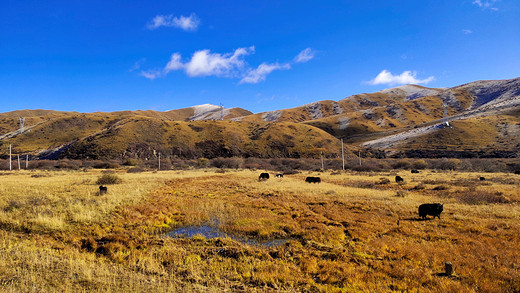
393, 121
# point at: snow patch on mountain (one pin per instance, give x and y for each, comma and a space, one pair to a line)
411, 92
208, 112
271, 116
489, 92
343, 122
314, 110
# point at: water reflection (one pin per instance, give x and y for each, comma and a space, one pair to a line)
211, 232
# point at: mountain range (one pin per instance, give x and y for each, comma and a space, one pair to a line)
477, 119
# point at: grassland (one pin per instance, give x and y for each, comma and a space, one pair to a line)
353, 232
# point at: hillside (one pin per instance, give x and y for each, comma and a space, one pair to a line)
402, 121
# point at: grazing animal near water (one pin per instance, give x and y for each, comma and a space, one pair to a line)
430, 209
103, 189
263, 176
399, 179
482, 178
415, 171
313, 179
279, 175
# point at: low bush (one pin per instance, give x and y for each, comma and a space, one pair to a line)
108, 178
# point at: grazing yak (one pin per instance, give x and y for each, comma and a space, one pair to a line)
279, 175
517, 172
102, 189
415, 171
313, 179
431, 209
263, 176
482, 178
399, 179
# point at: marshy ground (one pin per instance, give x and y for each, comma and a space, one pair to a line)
353, 232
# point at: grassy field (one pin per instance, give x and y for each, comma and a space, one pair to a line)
354, 232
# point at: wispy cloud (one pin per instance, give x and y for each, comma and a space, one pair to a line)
486, 4
137, 65
407, 77
259, 74
305, 55
187, 23
151, 74
467, 32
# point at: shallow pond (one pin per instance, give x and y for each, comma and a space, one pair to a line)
212, 232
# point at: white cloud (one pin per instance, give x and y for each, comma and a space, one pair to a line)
407, 77
230, 65
467, 32
174, 63
305, 55
187, 23
259, 74
204, 63
484, 4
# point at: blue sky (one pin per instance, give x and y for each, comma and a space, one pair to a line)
91, 56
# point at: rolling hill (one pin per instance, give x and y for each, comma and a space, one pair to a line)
483, 117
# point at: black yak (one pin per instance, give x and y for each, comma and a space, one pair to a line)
313, 179
482, 178
415, 171
430, 209
263, 176
399, 179
102, 189
279, 175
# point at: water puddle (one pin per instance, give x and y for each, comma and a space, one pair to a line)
210, 232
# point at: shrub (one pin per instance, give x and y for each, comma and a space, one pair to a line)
108, 179
202, 162
135, 170
419, 164
449, 164
401, 164
131, 162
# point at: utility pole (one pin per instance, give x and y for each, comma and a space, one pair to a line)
26, 161
342, 155
159, 161
18, 162
322, 166
10, 163
359, 155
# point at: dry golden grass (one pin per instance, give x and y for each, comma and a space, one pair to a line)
352, 232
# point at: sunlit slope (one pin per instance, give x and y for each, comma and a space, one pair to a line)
144, 138
489, 136
120, 135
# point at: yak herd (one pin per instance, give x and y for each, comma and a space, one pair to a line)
427, 209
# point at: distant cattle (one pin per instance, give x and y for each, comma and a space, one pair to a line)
517, 172
103, 189
279, 175
263, 176
415, 171
399, 179
430, 209
313, 179
482, 178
